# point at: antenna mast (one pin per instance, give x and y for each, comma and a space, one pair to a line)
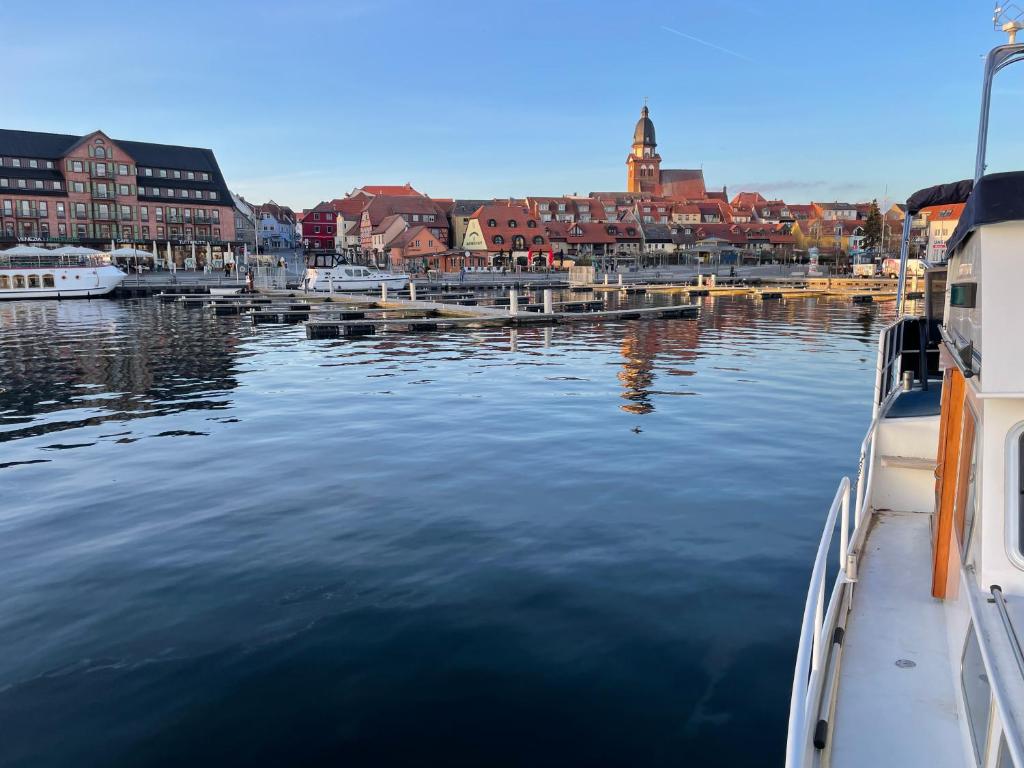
1008, 18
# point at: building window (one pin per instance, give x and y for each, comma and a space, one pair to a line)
213, 195
147, 171
100, 152
4, 182
80, 210
15, 162
144, 212
56, 186
538, 240
512, 223
177, 174
163, 173
43, 208
60, 210
316, 230
62, 229
21, 184
499, 240
76, 166
492, 223
206, 177
145, 232
49, 164
80, 231
159, 231
316, 217
33, 164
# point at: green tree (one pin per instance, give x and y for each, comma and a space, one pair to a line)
873, 227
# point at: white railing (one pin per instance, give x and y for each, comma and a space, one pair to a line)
814, 676
815, 658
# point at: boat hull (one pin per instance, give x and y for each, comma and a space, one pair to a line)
323, 282
85, 282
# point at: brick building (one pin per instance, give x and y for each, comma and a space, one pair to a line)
93, 190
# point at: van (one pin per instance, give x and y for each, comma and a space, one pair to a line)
891, 268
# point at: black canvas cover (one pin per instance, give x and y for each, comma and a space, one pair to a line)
996, 197
941, 194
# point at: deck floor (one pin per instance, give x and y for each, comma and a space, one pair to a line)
885, 714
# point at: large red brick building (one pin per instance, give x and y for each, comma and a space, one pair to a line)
93, 189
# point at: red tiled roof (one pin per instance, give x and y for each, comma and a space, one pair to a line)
590, 233
944, 212
503, 215
389, 189
383, 206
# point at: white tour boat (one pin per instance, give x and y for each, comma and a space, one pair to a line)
28, 272
912, 656
331, 272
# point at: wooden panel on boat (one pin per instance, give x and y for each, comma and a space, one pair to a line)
947, 465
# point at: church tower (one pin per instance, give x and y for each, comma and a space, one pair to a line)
643, 166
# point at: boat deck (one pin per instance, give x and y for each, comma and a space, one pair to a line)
888, 714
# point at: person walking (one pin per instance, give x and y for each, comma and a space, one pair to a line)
462, 273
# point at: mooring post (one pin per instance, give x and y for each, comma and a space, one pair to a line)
620, 278
383, 291
513, 302
412, 291
700, 280
606, 278
549, 304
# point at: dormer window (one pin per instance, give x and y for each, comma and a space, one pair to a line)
498, 240
512, 223
531, 224
538, 240
492, 223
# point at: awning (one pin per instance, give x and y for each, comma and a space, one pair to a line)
996, 197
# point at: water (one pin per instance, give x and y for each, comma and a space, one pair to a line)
578, 546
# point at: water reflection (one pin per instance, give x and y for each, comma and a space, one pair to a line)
424, 544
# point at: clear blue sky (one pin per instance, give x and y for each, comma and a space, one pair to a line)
304, 100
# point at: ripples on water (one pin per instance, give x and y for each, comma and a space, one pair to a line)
581, 545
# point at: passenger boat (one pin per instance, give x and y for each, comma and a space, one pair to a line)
28, 272
913, 656
331, 272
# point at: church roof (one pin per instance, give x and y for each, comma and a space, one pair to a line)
644, 131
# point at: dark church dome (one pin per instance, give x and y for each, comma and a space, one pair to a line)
644, 133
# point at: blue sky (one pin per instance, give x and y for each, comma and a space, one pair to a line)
303, 101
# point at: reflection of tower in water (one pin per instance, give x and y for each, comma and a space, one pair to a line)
641, 343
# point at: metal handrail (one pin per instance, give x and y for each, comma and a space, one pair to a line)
1000, 603
999, 694
815, 630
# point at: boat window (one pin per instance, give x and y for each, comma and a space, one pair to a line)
966, 487
977, 692
47, 281
33, 281
4, 281
19, 281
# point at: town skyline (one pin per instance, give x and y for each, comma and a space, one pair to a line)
758, 99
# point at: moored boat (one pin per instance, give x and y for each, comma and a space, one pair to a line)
28, 272
914, 656
331, 272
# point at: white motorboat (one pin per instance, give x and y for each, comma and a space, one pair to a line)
28, 272
330, 273
913, 656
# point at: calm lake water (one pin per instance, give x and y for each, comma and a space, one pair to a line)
577, 546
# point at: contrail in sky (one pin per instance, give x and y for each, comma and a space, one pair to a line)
709, 45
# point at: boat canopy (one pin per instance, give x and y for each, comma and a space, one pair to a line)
941, 194
996, 197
